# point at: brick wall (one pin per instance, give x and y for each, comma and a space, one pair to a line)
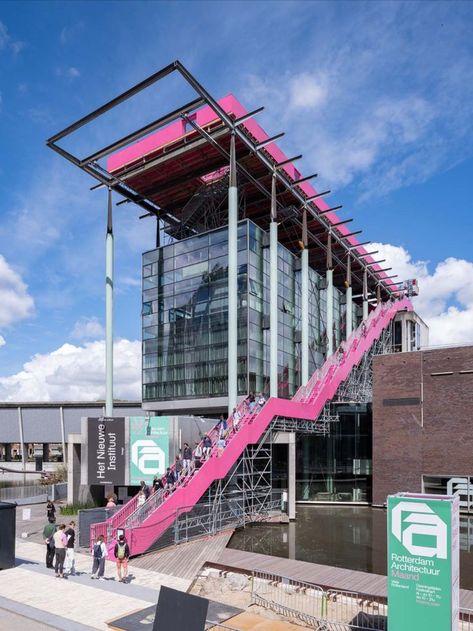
422, 420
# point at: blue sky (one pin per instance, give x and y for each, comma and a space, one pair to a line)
376, 95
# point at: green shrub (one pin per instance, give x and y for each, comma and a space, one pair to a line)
73, 509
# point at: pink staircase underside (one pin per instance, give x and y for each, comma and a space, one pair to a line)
206, 116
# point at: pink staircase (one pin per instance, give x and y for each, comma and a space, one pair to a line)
144, 525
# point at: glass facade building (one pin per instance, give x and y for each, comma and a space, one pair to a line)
185, 317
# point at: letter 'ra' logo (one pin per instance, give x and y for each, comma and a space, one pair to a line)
421, 520
148, 457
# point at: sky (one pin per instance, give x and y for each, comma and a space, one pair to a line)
376, 96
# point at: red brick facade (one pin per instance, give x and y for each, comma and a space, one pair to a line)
422, 418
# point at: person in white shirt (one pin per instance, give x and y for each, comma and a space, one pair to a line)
99, 554
261, 400
236, 417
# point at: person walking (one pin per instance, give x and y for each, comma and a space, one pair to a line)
170, 479
187, 457
122, 554
261, 400
145, 489
69, 564
48, 536
198, 453
222, 427
251, 401
50, 510
220, 446
178, 467
99, 554
236, 418
111, 502
60, 543
158, 483
207, 446
141, 498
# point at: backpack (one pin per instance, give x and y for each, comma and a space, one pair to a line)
97, 550
121, 552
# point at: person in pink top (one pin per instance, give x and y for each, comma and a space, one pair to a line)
60, 543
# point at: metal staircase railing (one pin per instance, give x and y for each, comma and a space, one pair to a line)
308, 402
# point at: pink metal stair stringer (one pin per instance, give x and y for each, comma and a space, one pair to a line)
253, 425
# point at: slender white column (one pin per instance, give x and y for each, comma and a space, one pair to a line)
63, 434
273, 309
292, 475
349, 318
304, 316
22, 442
329, 278
273, 296
232, 282
349, 300
365, 295
109, 311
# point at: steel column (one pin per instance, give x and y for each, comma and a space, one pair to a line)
329, 311
349, 300
232, 281
304, 303
109, 310
365, 295
273, 295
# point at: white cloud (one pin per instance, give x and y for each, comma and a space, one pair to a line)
15, 301
355, 125
8, 42
2, 341
307, 91
76, 373
445, 298
70, 73
87, 328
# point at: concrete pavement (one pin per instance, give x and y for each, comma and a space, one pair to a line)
77, 600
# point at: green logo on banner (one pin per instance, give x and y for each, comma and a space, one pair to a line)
149, 447
422, 562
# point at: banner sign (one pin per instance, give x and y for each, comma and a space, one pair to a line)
106, 450
149, 447
423, 562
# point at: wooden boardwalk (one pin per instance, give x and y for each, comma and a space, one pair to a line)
325, 576
186, 559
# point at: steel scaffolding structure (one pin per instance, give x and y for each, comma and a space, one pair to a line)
358, 388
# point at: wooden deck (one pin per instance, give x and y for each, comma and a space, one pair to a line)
186, 559
325, 576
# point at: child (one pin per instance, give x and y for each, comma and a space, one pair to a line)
99, 554
141, 497
220, 447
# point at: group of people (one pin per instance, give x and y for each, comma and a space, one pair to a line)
191, 460
60, 543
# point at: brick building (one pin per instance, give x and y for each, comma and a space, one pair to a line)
423, 423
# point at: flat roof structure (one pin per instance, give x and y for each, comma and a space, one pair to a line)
161, 166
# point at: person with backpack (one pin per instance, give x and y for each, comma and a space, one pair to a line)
99, 554
69, 565
48, 536
170, 479
122, 554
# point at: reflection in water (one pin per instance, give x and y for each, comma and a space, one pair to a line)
353, 537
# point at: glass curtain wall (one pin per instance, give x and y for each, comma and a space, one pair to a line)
185, 317
337, 468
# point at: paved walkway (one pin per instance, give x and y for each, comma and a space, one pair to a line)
77, 602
